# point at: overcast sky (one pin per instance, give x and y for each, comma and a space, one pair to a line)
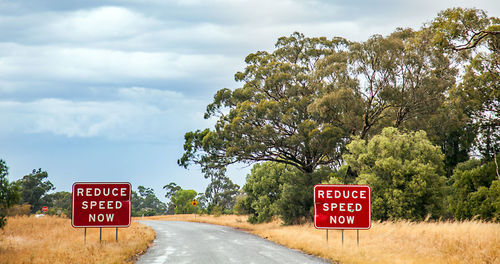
105, 90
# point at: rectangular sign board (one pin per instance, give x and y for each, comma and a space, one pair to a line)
101, 204
342, 206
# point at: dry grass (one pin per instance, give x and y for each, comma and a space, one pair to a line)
399, 242
53, 240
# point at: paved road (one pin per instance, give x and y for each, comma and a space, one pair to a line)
185, 242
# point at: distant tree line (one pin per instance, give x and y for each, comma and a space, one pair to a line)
29, 194
33, 191
219, 198
414, 114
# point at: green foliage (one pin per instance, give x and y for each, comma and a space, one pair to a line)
59, 203
9, 193
450, 129
464, 29
221, 191
182, 200
474, 41
301, 104
146, 203
274, 189
475, 191
263, 189
295, 205
241, 207
34, 187
404, 171
203, 205
400, 77
268, 118
171, 189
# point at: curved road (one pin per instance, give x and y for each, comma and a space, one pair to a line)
187, 242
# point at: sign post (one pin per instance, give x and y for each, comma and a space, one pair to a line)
342, 207
101, 204
194, 203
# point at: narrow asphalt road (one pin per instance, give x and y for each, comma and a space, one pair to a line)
186, 242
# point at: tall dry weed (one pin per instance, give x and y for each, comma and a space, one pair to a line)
53, 240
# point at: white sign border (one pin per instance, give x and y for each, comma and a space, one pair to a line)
106, 226
344, 185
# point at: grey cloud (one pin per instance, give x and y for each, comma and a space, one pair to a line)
140, 114
80, 54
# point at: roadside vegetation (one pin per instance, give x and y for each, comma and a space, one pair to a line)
52, 239
386, 242
414, 114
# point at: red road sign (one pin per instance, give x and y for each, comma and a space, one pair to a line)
342, 206
45, 209
101, 204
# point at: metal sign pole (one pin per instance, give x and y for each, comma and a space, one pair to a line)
100, 235
85, 236
117, 234
327, 237
357, 236
342, 237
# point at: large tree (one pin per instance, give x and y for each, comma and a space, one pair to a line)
300, 104
34, 187
398, 79
171, 189
9, 193
268, 118
221, 191
473, 40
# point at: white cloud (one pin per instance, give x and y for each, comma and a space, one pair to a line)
130, 45
100, 23
97, 65
141, 114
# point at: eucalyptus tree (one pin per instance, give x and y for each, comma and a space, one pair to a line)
268, 119
221, 191
395, 79
34, 188
472, 39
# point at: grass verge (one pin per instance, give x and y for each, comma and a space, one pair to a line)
387, 242
53, 240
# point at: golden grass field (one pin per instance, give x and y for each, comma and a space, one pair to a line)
53, 240
398, 242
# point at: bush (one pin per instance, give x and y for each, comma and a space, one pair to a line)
404, 171
262, 190
475, 192
274, 189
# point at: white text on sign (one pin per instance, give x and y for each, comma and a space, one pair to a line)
342, 206
96, 192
